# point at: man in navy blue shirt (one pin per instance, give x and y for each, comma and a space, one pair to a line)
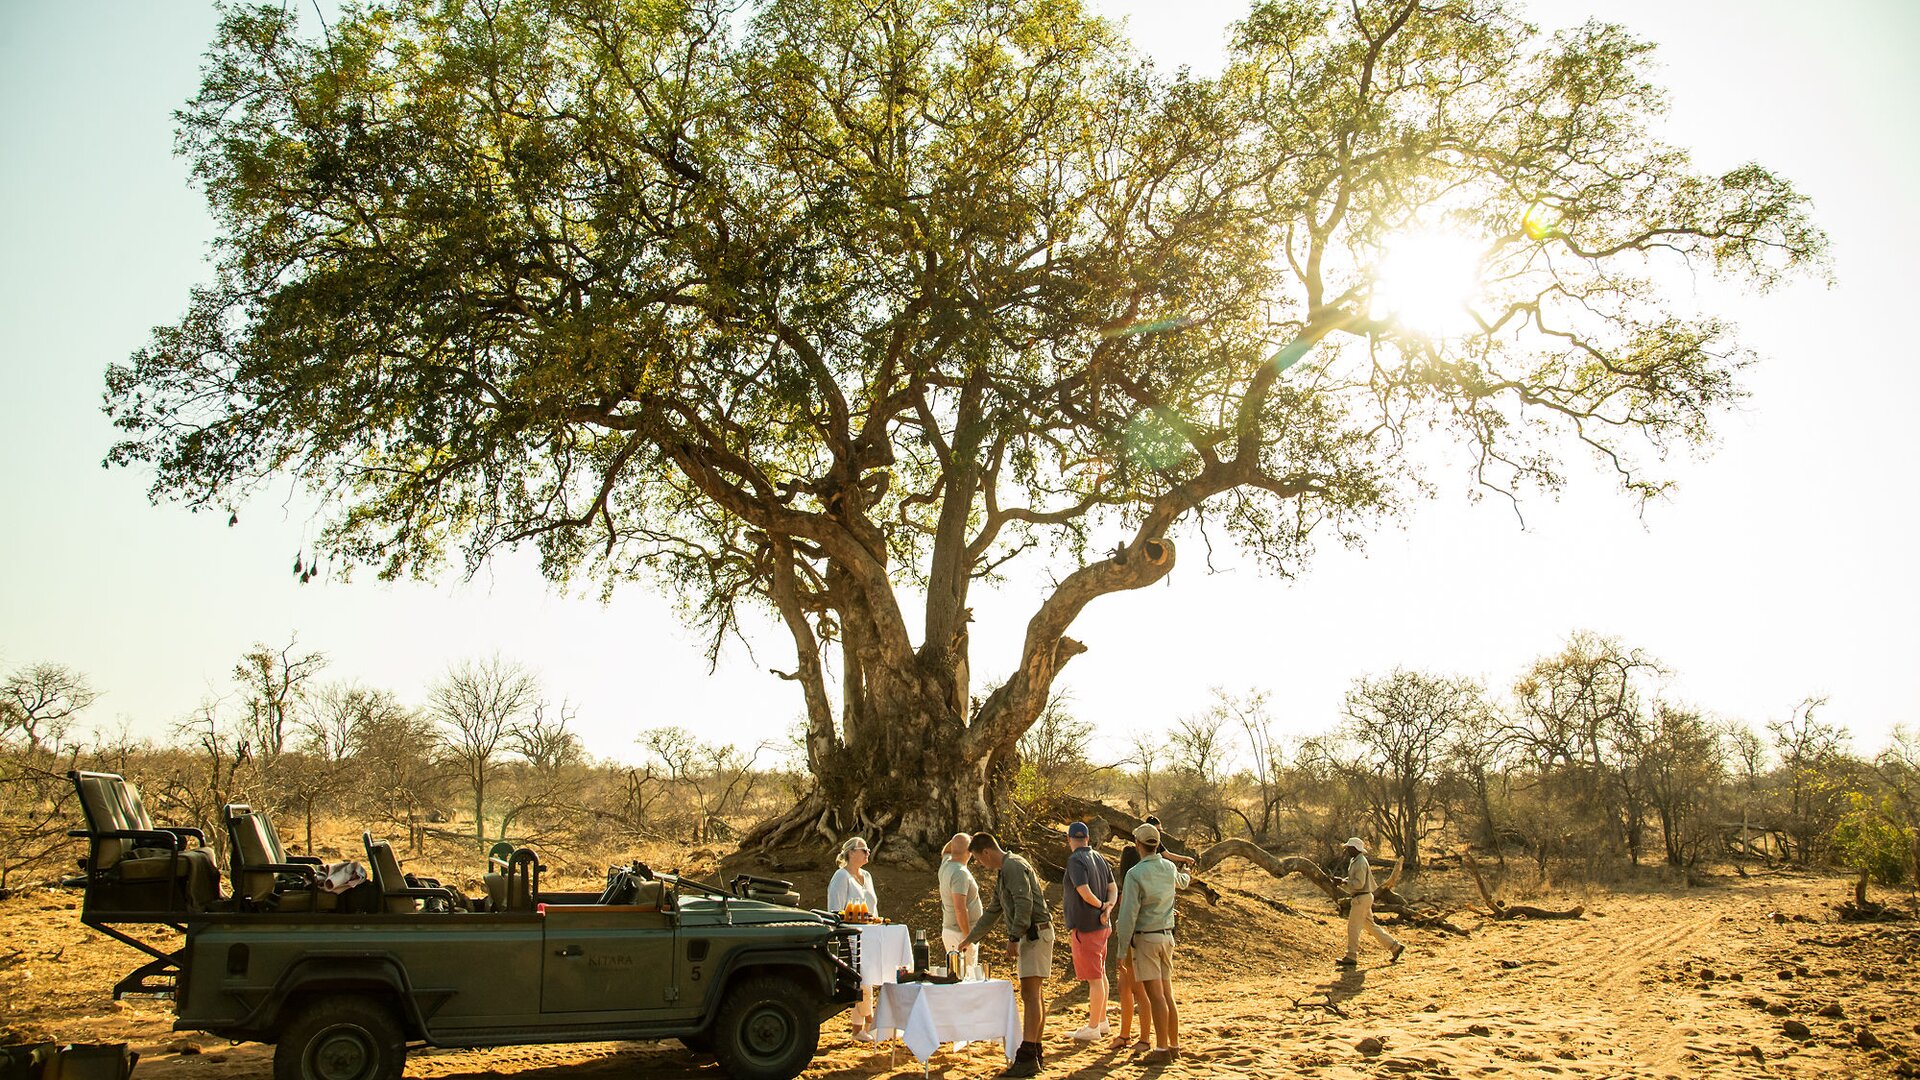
1090, 895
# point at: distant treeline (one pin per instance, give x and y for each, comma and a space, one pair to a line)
1583, 764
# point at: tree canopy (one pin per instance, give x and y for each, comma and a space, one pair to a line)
801, 304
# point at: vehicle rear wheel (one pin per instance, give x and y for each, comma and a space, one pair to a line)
767, 1029
342, 1038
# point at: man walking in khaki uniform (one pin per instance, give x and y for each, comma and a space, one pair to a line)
1019, 897
1359, 885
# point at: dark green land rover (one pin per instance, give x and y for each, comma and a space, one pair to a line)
342, 976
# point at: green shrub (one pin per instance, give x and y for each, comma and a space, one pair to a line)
1866, 838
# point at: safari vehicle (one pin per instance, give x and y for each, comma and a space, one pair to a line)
343, 982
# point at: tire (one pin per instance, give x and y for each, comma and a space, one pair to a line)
342, 1038
767, 1028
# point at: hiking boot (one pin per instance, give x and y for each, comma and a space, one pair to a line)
1397, 950
1026, 1061
1346, 962
1162, 1056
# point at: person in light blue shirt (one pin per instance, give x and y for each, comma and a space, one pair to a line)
1144, 938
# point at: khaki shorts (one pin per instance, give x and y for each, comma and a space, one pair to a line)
1036, 956
1152, 957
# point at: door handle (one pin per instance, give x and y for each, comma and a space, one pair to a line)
570, 950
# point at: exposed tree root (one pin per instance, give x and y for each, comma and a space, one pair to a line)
1501, 910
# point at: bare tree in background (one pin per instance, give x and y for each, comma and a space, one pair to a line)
1056, 747
716, 777
1684, 764
274, 684
542, 784
1148, 745
1249, 711
477, 704
1477, 754
38, 705
220, 768
400, 775
1810, 752
1581, 719
1898, 768
40, 701
325, 741
1403, 723
1200, 754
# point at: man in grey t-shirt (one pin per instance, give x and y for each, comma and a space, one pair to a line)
960, 904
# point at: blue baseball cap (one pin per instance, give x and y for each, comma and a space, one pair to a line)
1078, 829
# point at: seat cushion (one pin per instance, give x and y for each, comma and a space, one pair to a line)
152, 868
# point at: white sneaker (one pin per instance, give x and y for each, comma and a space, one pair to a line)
1090, 1033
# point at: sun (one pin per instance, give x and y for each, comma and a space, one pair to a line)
1425, 281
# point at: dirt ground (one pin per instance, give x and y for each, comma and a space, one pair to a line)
1653, 982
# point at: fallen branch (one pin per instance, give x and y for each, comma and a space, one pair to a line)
1328, 1005
1502, 910
1280, 866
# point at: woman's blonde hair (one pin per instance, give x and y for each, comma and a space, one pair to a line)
956, 848
848, 846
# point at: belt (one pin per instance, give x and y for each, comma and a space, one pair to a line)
1168, 930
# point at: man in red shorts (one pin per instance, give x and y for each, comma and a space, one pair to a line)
1090, 895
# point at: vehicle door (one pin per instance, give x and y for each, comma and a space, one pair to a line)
608, 959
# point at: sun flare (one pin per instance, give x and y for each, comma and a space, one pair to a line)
1425, 280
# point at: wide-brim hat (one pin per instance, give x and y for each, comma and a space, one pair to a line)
1357, 844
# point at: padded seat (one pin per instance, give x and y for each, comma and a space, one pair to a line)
398, 894
265, 877
133, 865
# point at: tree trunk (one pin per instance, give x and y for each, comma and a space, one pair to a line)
912, 759
480, 813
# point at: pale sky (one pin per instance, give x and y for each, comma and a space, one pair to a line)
1774, 573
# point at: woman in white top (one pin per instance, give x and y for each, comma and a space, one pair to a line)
852, 883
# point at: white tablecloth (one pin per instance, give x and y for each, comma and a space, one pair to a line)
928, 1014
885, 948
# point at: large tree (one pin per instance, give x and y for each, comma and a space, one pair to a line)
831, 308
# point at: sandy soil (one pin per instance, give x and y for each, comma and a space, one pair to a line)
1652, 983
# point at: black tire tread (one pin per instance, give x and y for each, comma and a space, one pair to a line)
743, 995
375, 1014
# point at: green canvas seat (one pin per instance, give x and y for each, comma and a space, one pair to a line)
133, 865
265, 877
399, 894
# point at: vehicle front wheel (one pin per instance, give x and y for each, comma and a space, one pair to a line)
767, 1029
342, 1038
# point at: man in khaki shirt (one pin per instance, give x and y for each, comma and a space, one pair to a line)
1359, 885
1019, 897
